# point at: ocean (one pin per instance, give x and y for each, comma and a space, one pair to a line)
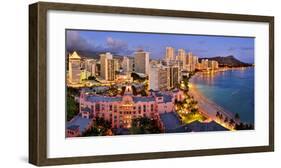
231, 89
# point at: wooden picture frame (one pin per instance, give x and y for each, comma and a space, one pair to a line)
38, 82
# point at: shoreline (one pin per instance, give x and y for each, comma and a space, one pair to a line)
223, 69
209, 108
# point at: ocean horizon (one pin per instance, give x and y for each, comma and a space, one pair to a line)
232, 89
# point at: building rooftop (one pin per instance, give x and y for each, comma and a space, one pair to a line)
95, 89
170, 121
73, 127
158, 94
80, 122
86, 109
166, 97
197, 126
97, 98
74, 55
172, 124
143, 99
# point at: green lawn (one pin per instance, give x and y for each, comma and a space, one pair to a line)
190, 117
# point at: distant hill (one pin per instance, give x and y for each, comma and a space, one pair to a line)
229, 61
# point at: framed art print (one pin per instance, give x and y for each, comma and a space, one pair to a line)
115, 83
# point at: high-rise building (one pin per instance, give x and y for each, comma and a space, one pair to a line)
191, 62
169, 53
163, 79
189, 58
205, 64
126, 64
131, 64
158, 77
117, 65
74, 68
213, 65
181, 55
111, 76
142, 62
90, 67
195, 60
98, 68
216, 65
94, 69
108, 64
153, 77
173, 76
199, 66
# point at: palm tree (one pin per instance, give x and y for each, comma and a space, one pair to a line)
237, 117
218, 114
226, 120
194, 110
221, 117
231, 122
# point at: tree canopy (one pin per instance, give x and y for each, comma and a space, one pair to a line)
144, 125
72, 108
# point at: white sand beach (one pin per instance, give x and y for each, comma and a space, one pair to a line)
208, 107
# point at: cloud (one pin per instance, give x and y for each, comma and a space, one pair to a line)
74, 41
117, 46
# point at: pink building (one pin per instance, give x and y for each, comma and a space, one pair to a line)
120, 110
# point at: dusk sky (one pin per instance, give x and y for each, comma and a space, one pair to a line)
126, 43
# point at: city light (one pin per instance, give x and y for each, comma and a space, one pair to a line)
120, 90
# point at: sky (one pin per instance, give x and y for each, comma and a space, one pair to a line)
126, 43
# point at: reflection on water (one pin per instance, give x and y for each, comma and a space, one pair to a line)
233, 89
210, 76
